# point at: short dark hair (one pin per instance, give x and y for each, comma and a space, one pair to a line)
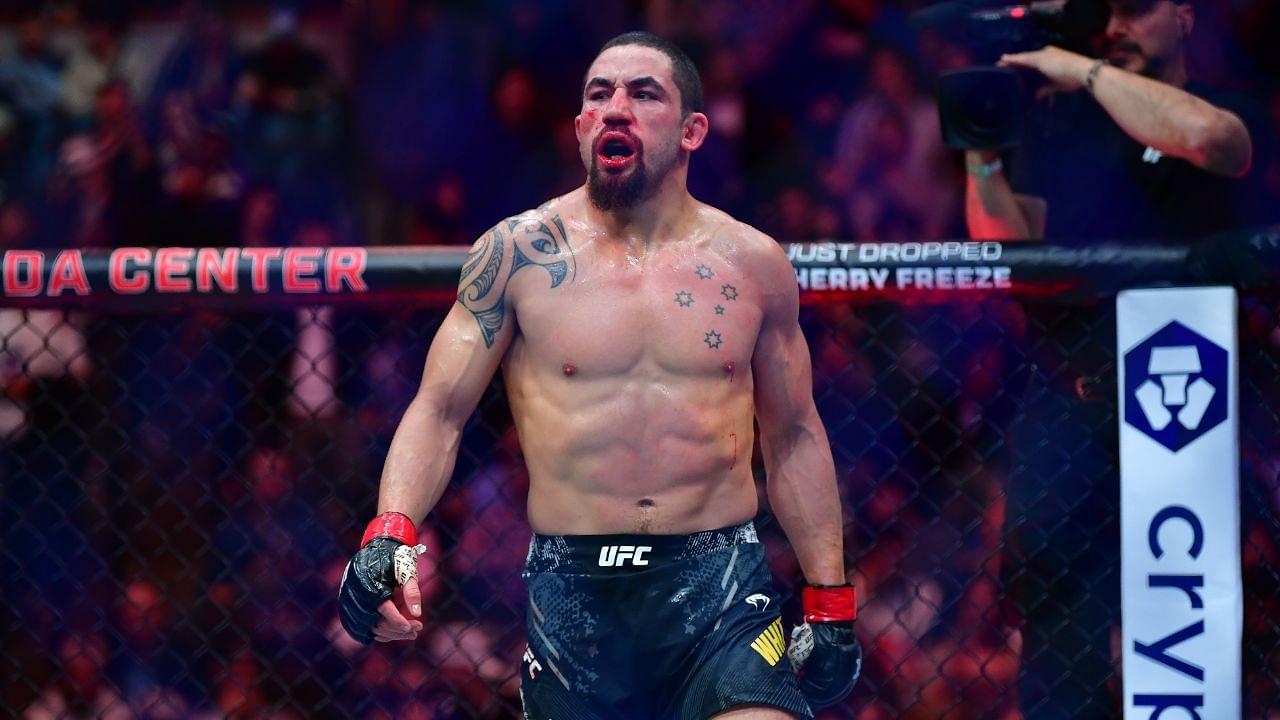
683, 71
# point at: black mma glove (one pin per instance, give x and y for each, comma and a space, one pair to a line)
824, 650
388, 556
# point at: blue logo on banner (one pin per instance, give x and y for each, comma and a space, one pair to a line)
1175, 386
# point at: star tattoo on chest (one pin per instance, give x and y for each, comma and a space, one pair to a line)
704, 272
729, 292
713, 339
719, 309
684, 298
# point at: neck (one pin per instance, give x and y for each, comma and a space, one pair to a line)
1174, 72
655, 218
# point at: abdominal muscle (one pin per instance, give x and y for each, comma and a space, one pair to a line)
633, 455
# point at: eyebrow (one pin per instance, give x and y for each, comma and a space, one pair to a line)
643, 81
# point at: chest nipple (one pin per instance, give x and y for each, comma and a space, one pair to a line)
728, 368
569, 369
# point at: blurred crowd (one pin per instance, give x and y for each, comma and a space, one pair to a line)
180, 495
423, 123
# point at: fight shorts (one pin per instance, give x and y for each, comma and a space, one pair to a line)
677, 627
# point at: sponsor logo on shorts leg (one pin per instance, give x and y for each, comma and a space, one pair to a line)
619, 555
534, 666
758, 601
770, 644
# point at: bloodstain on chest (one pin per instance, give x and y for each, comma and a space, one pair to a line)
734, 460
729, 369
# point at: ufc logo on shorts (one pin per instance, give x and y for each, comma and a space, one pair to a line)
619, 555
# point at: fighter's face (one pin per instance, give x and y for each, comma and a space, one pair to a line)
1143, 36
629, 131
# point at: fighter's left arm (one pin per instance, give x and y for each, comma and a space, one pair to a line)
797, 456
1157, 114
824, 649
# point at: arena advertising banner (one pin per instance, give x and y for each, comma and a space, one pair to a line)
255, 277
946, 271
137, 270
136, 278
1179, 503
880, 267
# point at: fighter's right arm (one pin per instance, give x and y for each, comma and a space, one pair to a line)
379, 598
992, 210
462, 359
464, 355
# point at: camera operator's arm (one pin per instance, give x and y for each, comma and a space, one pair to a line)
1157, 114
992, 210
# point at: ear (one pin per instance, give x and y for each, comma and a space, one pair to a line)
1186, 13
696, 127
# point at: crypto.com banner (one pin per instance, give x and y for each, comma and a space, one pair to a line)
1179, 503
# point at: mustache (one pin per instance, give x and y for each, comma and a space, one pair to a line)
1121, 45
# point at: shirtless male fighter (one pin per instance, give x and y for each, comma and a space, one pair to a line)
640, 333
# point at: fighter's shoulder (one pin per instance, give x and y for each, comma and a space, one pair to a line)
545, 221
534, 237
569, 204
754, 249
540, 229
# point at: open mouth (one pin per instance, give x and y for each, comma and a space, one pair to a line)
615, 150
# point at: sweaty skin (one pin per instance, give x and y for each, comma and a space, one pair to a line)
641, 437
640, 345
631, 371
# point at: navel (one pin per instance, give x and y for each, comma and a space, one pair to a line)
644, 516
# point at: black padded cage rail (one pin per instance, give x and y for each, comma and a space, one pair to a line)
192, 439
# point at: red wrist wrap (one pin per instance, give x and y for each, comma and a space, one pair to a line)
837, 603
393, 525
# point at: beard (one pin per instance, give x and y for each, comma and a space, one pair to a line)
608, 192
1130, 57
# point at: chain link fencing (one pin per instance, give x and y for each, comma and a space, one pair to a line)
181, 491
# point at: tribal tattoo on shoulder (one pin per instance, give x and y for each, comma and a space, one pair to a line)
509, 247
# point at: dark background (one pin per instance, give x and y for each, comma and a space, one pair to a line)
181, 491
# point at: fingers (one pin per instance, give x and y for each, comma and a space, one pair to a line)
394, 625
1019, 64
394, 621
1034, 60
385, 637
1047, 91
413, 598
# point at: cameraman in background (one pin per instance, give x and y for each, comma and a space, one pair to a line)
1122, 147
1141, 153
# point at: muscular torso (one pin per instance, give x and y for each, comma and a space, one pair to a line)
630, 379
